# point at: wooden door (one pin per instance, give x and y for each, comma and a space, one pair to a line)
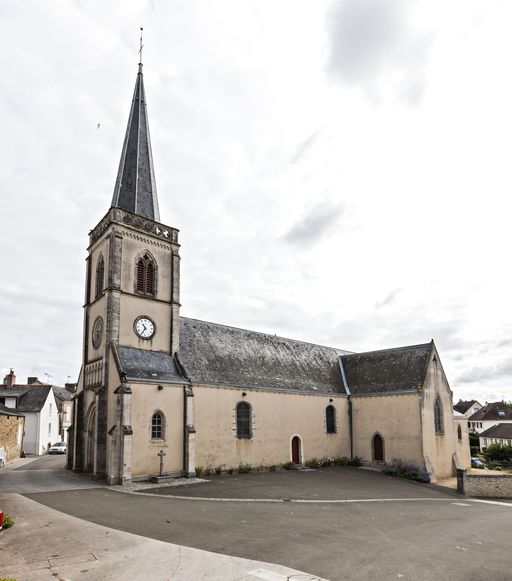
296, 450
378, 448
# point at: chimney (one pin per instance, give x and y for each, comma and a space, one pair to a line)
71, 387
31, 380
10, 379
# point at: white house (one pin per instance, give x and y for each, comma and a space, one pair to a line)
499, 434
36, 401
467, 408
490, 415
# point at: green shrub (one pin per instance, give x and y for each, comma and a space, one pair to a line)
208, 471
474, 440
244, 469
230, 470
218, 469
289, 466
199, 471
273, 468
312, 463
325, 462
8, 522
341, 461
497, 453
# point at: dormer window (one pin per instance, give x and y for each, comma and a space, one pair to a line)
145, 275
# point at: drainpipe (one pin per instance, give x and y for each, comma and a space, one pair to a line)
185, 432
350, 414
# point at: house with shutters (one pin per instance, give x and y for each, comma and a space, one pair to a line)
157, 386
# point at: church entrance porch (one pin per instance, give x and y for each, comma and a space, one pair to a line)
296, 450
90, 440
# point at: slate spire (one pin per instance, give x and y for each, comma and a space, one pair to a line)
135, 188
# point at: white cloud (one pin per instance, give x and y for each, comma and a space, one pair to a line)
375, 43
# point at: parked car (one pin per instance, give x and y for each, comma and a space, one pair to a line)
58, 448
476, 463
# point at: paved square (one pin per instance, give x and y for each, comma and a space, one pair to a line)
377, 528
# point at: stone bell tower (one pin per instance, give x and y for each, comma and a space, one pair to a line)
131, 294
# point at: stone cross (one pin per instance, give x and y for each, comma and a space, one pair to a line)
161, 454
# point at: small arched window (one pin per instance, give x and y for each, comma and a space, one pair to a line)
157, 426
438, 415
330, 419
459, 433
145, 275
243, 420
100, 273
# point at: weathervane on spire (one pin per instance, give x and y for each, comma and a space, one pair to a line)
141, 46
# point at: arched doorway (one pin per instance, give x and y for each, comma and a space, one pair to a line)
90, 438
378, 448
296, 452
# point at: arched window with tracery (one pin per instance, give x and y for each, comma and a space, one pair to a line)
100, 273
243, 420
157, 426
438, 416
145, 275
330, 419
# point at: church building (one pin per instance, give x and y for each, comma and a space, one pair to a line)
158, 390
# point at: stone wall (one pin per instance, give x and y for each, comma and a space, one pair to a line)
488, 485
11, 429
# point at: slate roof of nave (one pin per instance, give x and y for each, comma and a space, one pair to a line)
389, 370
216, 354
221, 355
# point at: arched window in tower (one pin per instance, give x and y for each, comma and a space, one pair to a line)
438, 415
145, 276
330, 419
100, 273
243, 420
157, 426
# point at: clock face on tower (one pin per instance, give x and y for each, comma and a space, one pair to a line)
97, 332
144, 327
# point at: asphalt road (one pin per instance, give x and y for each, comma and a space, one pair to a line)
43, 473
379, 528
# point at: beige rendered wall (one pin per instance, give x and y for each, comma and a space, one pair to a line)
439, 449
396, 418
276, 419
463, 449
133, 307
146, 400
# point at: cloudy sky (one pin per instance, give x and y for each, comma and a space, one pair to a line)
339, 170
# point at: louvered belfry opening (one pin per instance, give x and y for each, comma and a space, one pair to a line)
145, 276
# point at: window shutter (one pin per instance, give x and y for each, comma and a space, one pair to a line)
150, 278
140, 276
